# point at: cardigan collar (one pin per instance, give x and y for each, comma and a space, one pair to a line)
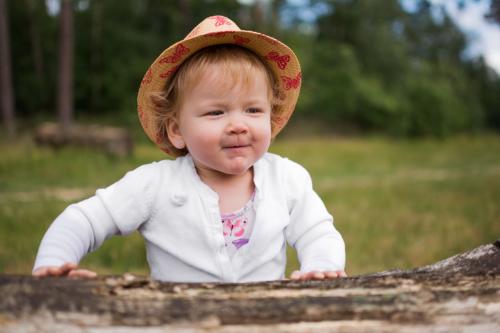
188, 163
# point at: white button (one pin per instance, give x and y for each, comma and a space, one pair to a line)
178, 199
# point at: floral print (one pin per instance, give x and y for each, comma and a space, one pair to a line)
237, 227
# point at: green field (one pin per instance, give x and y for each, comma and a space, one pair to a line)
398, 204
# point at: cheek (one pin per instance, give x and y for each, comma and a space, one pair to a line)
267, 128
264, 133
198, 139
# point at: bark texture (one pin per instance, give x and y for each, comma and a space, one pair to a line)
6, 86
460, 294
65, 81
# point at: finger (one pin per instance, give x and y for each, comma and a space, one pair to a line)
331, 275
84, 273
41, 272
309, 276
54, 271
67, 268
318, 276
295, 275
61, 270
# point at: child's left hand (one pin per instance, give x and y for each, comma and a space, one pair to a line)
317, 275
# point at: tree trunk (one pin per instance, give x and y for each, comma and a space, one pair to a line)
36, 45
275, 24
6, 89
95, 54
460, 294
65, 89
258, 14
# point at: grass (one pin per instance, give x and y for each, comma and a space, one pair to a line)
398, 204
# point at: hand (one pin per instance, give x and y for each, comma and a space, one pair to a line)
317, 275
68, 269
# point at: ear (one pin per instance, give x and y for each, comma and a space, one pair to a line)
174, 134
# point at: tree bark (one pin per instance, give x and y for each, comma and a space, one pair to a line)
95, 55
6, 89
65, 85
460, 294
258, 14
36, 45
274, 25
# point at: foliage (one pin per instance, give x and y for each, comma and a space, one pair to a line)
387, 70
366, 66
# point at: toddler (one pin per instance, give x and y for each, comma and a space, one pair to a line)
224, 208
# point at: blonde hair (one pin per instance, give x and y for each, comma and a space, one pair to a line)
238, 62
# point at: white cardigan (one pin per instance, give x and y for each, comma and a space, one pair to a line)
178, 216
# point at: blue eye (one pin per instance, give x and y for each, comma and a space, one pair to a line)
254, 110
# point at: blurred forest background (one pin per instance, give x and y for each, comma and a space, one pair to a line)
368, 65
397, 123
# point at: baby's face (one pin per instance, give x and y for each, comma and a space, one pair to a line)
225, 123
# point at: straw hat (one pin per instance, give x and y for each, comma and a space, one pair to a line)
221, 30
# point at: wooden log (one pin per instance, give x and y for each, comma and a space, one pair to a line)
112, 140
460, 294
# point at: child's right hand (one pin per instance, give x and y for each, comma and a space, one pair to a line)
68, 269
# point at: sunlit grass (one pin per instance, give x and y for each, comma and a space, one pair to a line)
398, 204
405, 204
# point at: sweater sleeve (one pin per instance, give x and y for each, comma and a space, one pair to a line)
82, 227
311, 232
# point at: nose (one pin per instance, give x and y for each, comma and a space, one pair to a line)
236, 125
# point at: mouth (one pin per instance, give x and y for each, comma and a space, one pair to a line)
236, 144
235, 147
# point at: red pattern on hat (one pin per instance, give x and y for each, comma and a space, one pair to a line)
240, 40
216, 34
169, 72
281, 61
147, 77
179, 52
221, 20
142, 116
268, 39
291, 83
194, 32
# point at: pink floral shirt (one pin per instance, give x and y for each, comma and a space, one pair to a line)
238, 226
